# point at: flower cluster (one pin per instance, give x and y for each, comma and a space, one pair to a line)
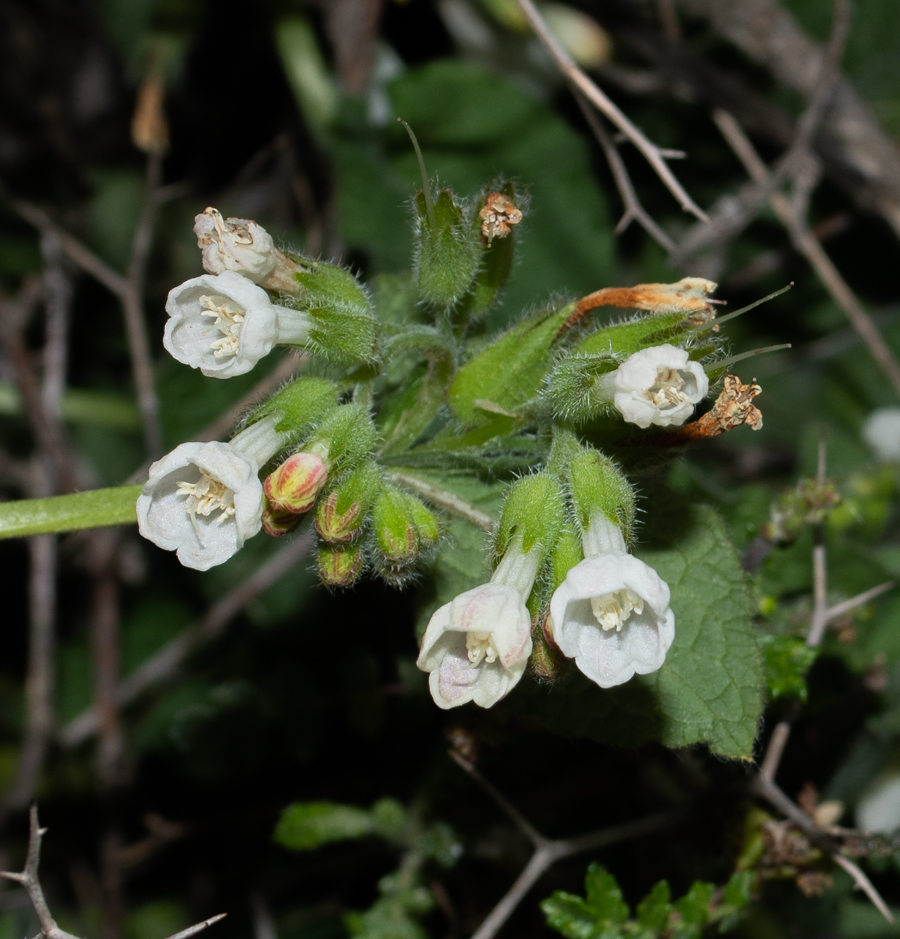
564, 584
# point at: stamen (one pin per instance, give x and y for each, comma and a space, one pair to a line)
481, 647
228, 321
612, 610
666, 390
204, 497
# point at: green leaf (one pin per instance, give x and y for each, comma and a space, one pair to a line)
98, 508
573, 917
653, 911
627, 338
306, 825
447, 254
604, 895
694, 905
508, 372
709, 687
787, 661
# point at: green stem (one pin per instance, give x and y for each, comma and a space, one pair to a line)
98, 508
426, 186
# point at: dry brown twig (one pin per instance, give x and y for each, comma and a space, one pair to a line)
806, 243
164, 664
28, 878
546, 851
634, 211
764, 781
654, 155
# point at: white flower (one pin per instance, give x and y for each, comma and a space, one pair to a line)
611, 614
234, 244
477, 646
659, 385
223, 324
881, 431
202, 500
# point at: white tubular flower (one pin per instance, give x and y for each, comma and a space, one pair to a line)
611, 614
659, 385
477, 646
223, 324
234, 244
881, 431
204, 500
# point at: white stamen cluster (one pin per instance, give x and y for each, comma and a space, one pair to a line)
228, 321
666, 391
481, 648
612, 610
206, 496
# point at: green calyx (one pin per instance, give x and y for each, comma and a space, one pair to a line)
299, 405
343, 328
573, 389
448, 250
534, 512
624, 339
402, 527
340, 565
596, 484
344, 437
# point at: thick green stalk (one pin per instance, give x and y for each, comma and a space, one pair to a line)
97, 508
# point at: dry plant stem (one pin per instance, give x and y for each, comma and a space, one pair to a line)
198, 927
57, 294
839, 609
442, 499
353, 28
165, 664
575, 76
668, 19
812, 250
634, 211
39, 681
133, 310
772, 794
28, 878
548, 852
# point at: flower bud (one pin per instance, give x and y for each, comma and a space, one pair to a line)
340, 565
276, 522
296, 484
340, 516
448, 249
397, 537
547, 663
234, 244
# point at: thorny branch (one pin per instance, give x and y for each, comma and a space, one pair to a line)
764, 781
546, 851
634, 211
812, 250
579, 80
165, 663
28, 878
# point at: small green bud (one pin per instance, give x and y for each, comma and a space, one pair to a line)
425, 520
344, 437
534, 512
448, 250
343, 328
547, 663
597, 484
277, 522
340, 516
397, 537
340, 565
298, 405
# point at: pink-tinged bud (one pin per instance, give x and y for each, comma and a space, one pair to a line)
547, 663
276, 523
337, 527
340, 565
296, 484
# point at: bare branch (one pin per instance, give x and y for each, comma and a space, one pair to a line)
537, 839
634, 211
165, 663
839, 609
199, 927
133, 311
573, 74
29, 880
820, 569
548, 852
809, 247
